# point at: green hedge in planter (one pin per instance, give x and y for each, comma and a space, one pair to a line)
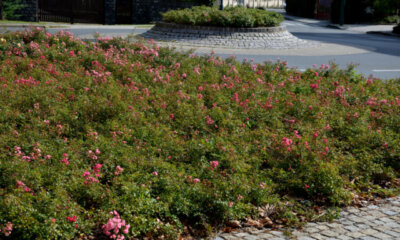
230, 17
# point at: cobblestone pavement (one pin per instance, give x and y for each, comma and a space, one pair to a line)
254, 38
380, 221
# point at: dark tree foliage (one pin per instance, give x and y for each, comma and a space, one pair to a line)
10, 9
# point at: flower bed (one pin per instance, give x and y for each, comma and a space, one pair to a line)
237, 17
121, 140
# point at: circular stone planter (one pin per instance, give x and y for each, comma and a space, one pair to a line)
209, 36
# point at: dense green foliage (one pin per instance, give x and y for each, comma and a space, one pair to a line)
386, 11
10, 9
230, 17
164, 140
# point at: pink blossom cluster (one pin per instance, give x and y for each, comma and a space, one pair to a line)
118, 170
340, 90
88, 176
100, 76
92, 134
296, 133
65, 159
149, 52
34, 46
7, 229
94, 155
209, 120
114, 225
72, 219
116, 133
287, 142
398, 101
192, 180
104, 39
214, 165
96, 169
196, 70
372, 101
37, 153
59, 129
22, 185
26, 82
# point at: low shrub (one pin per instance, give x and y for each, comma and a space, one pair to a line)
230, 17
170, 144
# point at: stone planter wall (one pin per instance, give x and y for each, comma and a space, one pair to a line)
263, 37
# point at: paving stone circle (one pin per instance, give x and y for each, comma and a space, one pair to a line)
234, 38
372, 222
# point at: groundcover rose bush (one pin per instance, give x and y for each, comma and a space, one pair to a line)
129, 140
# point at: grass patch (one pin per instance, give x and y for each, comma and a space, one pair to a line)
173, 144
24, 22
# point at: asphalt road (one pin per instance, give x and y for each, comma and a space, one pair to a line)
378, 55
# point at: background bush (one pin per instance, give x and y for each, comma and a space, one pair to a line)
229, 17
9, 9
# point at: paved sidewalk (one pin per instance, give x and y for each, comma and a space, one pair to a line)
360, 28
380, 221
